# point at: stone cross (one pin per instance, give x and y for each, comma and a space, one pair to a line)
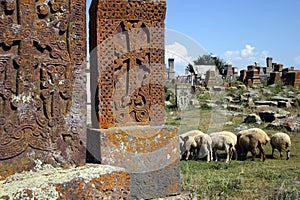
128, 70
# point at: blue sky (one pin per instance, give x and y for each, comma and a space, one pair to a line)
239, 32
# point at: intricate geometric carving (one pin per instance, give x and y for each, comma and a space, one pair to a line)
42, 49
130, 61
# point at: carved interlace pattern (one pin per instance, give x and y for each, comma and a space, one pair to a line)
130, 62
42, 49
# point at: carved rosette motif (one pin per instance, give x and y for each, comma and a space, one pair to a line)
40, 51
130, 39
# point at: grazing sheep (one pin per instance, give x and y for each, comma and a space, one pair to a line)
223, 142
249, 139
281, 141
190, 147
187, 143
204, 147
230, 134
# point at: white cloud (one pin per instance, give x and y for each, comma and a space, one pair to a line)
247, 51
246, 56
297, 60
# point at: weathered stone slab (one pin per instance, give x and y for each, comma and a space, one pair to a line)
267, 115
252, 118
290, 123
210, 78
127, 62
88, 182
183, 95
149, 154
42, 84
269, 103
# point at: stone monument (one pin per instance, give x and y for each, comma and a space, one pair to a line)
43, 106
170, 70
210, 79
128, 70
42, 84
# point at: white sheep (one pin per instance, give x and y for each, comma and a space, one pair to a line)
204, 147
223, 142
281, 141
187, 144
249, 139
230, 134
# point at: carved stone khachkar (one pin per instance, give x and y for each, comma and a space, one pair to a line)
42, 84
129, 45
127, 63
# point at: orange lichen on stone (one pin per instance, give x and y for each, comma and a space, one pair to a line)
150, 154
89, 182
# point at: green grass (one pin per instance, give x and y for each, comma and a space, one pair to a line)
242, 179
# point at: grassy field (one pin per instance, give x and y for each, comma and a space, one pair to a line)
273, 179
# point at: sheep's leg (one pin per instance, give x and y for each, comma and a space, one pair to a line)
243, 153
273, 152
215, 155
187, 155
288, 154
253, 152
235, 153
262, 152
228, 152
195, 156
280, 153
208, 156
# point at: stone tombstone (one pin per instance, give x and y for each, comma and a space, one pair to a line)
269, 62
183, 95
210, 78
42, 84
127, 81
171, 71
129, 48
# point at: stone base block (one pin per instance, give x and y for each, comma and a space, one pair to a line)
87, 182
149, 154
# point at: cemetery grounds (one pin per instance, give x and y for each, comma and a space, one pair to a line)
276, 178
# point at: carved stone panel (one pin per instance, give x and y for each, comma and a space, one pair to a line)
42, 83
127, 62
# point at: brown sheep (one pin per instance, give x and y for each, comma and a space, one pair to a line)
249, 139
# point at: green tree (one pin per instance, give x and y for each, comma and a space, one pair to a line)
206, 59
210, 59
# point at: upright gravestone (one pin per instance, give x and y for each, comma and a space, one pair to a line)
42, 84
128, 70
210, 79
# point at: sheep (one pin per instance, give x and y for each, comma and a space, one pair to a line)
249, 139
187, 143
281, 141
204, 147
223, 142
230, 134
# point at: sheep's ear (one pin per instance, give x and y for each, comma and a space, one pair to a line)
186, 138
